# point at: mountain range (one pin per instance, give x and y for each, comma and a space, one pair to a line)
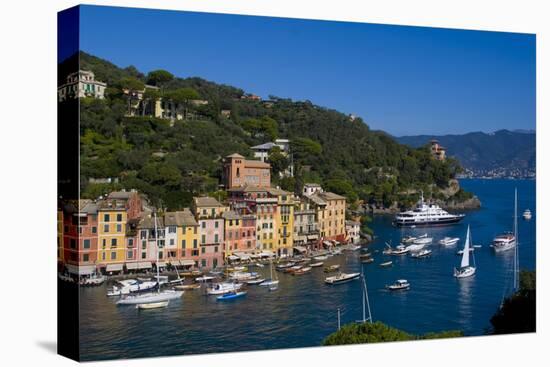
502, 153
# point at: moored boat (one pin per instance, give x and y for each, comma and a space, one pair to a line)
367, 260
400, 250
342, 278
332, 268
465, 270
222, 288
302, 271
184, 287
422, 253
448, 241
150, 306
231, 295
426, 215
255, 281
317, 264
386, 264
527, 214
399, 285
408, 239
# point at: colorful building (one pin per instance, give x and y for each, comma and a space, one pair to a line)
306, 233
284, 221
208, 213
182, 238
81, 84
240, 235
353, 231
331, 215
240, 172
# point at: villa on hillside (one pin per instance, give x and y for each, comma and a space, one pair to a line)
81, 84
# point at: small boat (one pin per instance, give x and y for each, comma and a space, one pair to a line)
150, 306
332, 268
422, 253
408, 239
237, 268
386, 264
292, 269
283, 266
93, 280
400, 250
302, 271
352, 248
476, 246
399, 285
259, 265
415, 247
342, 278
241, 276
367, 260
271, 282
365, 255
387, 249
222, 288
527, 214
423, 240
154, 297
320, 258
273, 288
231, 295
317, 264
448, 241
184, 287
465, 270
255, 281
204, 278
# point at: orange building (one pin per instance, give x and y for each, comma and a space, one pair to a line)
238, 172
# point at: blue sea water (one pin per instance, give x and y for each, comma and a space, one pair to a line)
304, 310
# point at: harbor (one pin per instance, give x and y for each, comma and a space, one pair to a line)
303, 309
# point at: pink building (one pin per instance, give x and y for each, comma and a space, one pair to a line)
240, 233
239, 172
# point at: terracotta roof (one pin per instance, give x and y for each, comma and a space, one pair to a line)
331, 196
231, 215
180, 218
256, 164
206, 201
235, 155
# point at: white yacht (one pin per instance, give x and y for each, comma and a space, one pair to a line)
449, 241
507, 240
425, 214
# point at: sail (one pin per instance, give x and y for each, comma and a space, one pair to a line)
466, 254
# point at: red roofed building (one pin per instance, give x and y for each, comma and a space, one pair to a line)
239, 172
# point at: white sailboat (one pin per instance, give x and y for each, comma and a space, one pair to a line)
465, 269
157, 297
271, 282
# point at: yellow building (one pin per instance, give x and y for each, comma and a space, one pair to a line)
331, 215
284, 221
181, 238
112, 219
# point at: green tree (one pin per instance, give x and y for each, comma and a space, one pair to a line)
159, 77
182, 97
278, 160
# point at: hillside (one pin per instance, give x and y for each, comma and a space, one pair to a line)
502, 153
170, 162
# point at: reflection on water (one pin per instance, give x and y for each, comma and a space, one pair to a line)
304, 310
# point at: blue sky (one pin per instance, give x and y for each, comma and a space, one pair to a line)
404, 80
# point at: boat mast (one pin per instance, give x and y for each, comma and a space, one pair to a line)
157, 245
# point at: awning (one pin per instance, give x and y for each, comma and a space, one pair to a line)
242, 255
300, 238
81, 270
145, 265
233, 257
313, 237
161, 264
131, 266
266, 254
187, 262
300, 249
174, 262
114, 267
255, 256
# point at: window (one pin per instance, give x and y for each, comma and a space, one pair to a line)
104, 243
194, 230
216, 224
130, 254
216, 238
103, 256
113, 242
195, 244
143, 235
106, 228
183, 243
144, 255
130, 242
215, 263
106, 218
203, 263
160, 254
203, 239
203, 250
73, 243
195, 253
119, 228
85, 257
172, 242
144, 244
172, 229
248, 244
86, 243
113, 255
203, 224
94, 229
216, 249
118, 218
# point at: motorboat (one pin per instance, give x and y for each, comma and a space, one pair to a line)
400, 250
205, 278
302, 271
149, 306
448, 241
93, 280
527, 214
415, 247
320, 257
231, 295
423, 240
386, 264
222, 288
367, 260
504, 241
153, 297
465, 270
425, 214
422, 253
317, 264
184, 287
332, 268
283, 266
342, 278
387, 249
243, 276
255, 281
366, 255
259, 265
408, 239
399, 285
127, 286
292, 269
